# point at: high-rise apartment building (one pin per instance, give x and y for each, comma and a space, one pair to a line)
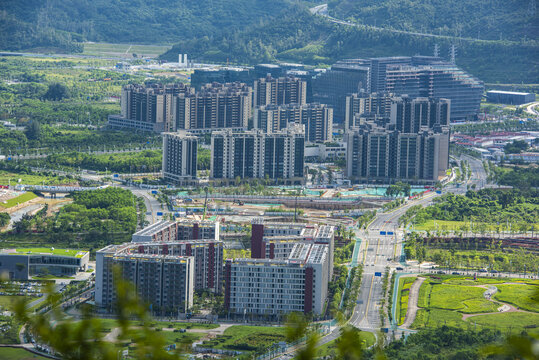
376, 154
410, 115
223, 75
180, 157
317, 119
147, 107
165, 282
280, 91
364, 106
255, 154
214, 106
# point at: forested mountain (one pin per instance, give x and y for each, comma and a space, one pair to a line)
300, 37
56, 23
251, 31
483, 19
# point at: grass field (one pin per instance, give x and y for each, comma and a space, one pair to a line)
8, 177
515, 321
468, 280
437, 318
523, 296
443, 299
431, 225
124, 50
27, 196
249, 339
330, 349
465, 299
402, 303
8, 301
18, 354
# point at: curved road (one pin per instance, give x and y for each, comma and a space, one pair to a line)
322, 10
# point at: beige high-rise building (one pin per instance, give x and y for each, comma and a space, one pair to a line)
280, 91
316, 118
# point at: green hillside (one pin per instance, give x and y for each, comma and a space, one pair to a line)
251, 31
60, 23
300, 37
493, 19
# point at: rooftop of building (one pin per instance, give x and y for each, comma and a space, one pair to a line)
508, 92
273, 66
45, 251
302, 254
130, 250
317, 254
154, 228
151, 257
312, 105
181, 134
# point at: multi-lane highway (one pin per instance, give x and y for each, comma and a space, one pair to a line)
378, 252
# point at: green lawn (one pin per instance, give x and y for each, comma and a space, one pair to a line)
526, 297
444, 300
249, 339
330, 349
64, 252
514, 321
177, 337
8, 177
465, 299
27, 196
437, 318
468, 280
18, 354
8, 301
431, 225
113, 323
402, 302
50, 277
424, 294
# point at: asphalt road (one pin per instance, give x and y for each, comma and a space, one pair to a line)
378, 252
152, 205
322, 10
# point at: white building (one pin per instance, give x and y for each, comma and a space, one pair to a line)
276, 287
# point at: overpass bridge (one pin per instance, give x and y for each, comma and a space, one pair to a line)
291, 201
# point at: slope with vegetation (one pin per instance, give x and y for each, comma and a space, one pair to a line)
61, 24
494, 19
300, 37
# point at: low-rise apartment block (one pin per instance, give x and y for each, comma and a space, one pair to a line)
270, 287
165, 282
169, 231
